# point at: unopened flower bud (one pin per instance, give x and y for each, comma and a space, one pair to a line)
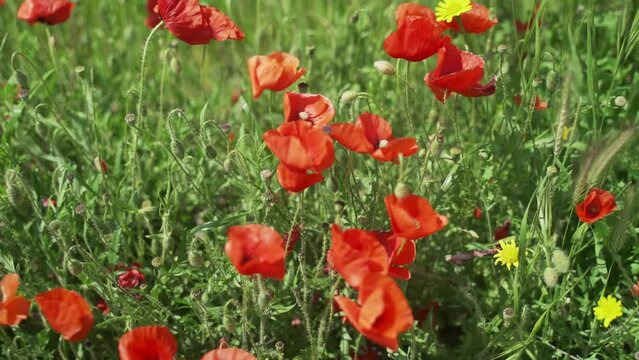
348, 97
384, 67
196, 258
80, 209
537, 82
228, 164
75, 267
402, 190
129, 119
508, 314
55, 225
175, 65
552, 171
266, 174
156, 262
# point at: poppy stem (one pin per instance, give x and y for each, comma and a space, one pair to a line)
142, 68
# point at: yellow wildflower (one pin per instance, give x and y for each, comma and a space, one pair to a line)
608, 309
446, 10
509, 253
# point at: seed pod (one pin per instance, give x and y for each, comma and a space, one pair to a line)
384, 67
75, 267
302, 87
196, 258
175, 65
348, 97
402, 190
177, 148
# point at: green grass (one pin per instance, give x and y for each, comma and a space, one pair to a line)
175, 183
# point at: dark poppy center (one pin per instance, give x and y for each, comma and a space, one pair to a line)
593, 209
245, 259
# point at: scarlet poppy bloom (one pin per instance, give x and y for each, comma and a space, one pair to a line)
503, 231
152, 17
475, 21
356, 253
13, 309
381, 313
274, 72
256, 249
460, 72
597, 205
412, 217
131, 278
197, 24
102, 306
228, 354
313, 108
304, 152
373, 135
477, 213
49, 12
146, 343
401, 252
539, 104
418, 35
67, 313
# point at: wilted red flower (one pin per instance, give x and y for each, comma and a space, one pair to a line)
373, 135
314, 108
46, 202
412, 217
634, 289
304, 152
256, 249
460, 72
401, 252
152, 17
503, 231
67, 313
524, 26
381, 313
102, 306
475, 21
131, 278
146, 343
197, 24
13, 309
418, 34
356, 253
597, 205
539, 104
292, 237
477, 213
461, 258
274, 72
49, 12
228, 354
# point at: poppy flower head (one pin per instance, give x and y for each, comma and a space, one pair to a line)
102, 306
460, 72
228, 354
313, 108
131, 278
49, 12
256, 249
197, 24
597, 205
401, 252
412, 217
503, 231
146, 343
67, 313
152, 17
13, 309
373, 135
418, 35
274, 72
381, 313
475, 21
356, 253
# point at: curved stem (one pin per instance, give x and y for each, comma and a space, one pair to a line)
142, 68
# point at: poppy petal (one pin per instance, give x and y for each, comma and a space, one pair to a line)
228, 354
148, 342
67, 313
294, 180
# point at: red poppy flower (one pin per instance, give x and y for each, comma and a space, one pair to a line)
477, 213
49, 12
475, 21
1, 2
418, 34
539, 104
597, 205
256, 249
67, 313
46, 202
401, 252
228, 354
503, 231
152, 17
412, 217
381, 313
274, 72
356, 253
197, 24
634, 289
102, 306
460, 72
316, 109
292, 237
373, 135
147, 343
131, 278
13, 309
304, 153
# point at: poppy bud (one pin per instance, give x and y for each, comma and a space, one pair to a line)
75, 267
80, 209
620, 101
508, 314
550, 277
266, 174
537, 82
228, 164
436, 148
402, 190
560, 261
551, 80
455, 153
156, 262
196, 258
55, 225
551, 171
384, 67
177, 148
339, 206
210, 151
129, 119
362, 219
175, 65
270, 198
13, 189
22, 79
348, 97
279, 347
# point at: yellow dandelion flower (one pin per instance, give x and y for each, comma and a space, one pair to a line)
608, 309
446, 10
509, 253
